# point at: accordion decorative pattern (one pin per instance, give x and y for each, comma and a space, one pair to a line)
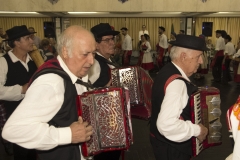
128, 77
107, 112
139, 84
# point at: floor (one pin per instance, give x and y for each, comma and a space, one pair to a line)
141, 149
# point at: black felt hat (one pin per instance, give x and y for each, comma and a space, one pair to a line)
191, 42
17, 32
103, 29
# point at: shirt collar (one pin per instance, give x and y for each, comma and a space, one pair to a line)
103, 56
71, 75
15, 59
181, 71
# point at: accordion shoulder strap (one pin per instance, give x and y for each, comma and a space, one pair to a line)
170, 79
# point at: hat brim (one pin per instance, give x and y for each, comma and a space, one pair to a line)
106, 33
174, 43
19, 36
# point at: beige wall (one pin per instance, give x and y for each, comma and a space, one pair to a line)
115, 5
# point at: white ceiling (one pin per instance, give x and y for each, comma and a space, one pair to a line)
120, 14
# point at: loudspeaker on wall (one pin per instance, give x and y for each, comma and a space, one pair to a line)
49, 29
207, 28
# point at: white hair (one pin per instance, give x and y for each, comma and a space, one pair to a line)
175, 52
65, 40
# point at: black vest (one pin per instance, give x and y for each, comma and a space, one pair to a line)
17, 74
104, 76
157, 98
64, 117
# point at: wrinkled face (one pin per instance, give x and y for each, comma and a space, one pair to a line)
192, 60
106, 46
25, 43
83, 51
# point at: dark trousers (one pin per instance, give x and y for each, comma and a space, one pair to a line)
226, 73
217, 69
21, 153
112, 155
164, 151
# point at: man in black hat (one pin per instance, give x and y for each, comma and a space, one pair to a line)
216, 63
161, 46
229, 51
171, 128
99, 74
16, 70
126, 47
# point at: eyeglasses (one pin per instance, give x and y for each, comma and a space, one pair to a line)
107, 40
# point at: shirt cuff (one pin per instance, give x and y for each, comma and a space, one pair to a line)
197, 130
65, 135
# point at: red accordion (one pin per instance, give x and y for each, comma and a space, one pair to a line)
139, 84
205, 109
108, 111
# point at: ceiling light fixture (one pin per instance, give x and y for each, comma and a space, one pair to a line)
10, 12
81, 12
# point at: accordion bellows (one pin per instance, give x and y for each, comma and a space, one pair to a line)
108, 111
139, 84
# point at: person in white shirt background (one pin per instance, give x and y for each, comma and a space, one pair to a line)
161, 46
126, 47
47, 119
142, 32
216, 63
171, 129
236, 66
229, 51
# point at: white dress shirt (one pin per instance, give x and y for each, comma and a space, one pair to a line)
142, 33
10, 93
168, 122
237, 54
229, 49
127, 43
95, 70
28, 125
220, 44
163, 41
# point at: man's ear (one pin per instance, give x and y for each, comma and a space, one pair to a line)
183, 56
64, 52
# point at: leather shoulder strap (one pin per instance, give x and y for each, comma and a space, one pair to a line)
170, 79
